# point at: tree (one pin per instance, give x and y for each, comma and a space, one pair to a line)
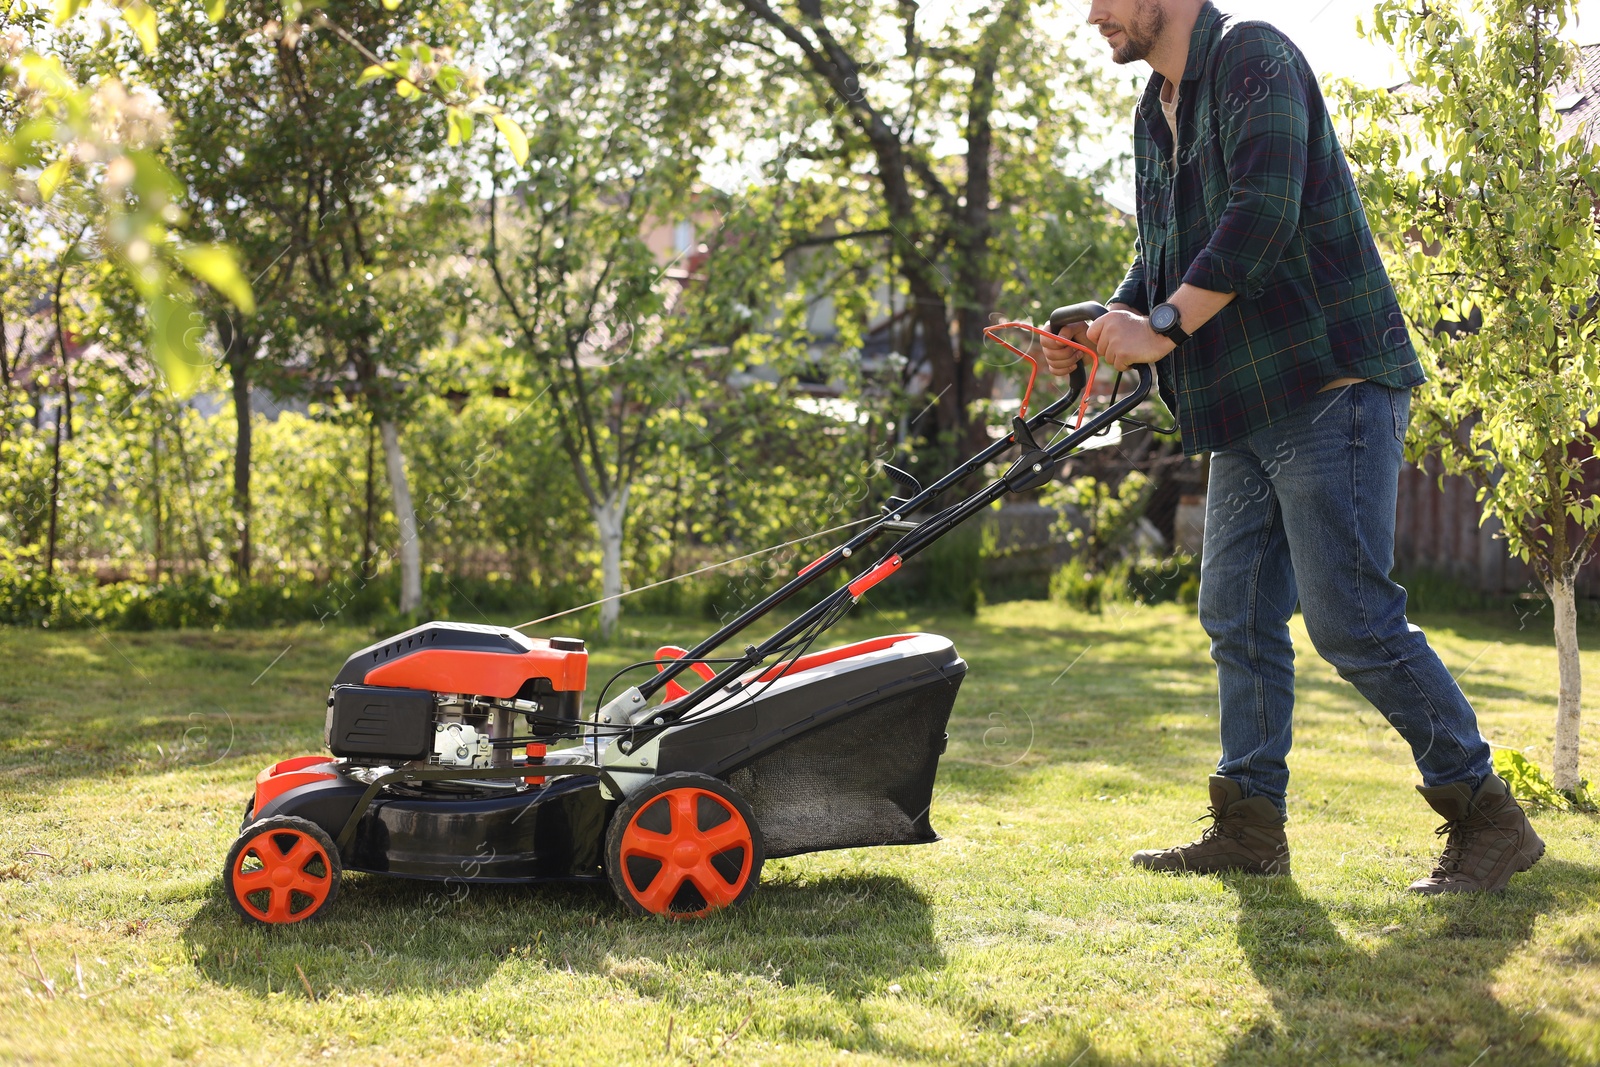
68, 122
952, 137
623, 345
1486, 210
372, 311
308, 200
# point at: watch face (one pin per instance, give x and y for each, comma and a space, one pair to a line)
1163, 318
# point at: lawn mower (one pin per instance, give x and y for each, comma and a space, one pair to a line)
460, 753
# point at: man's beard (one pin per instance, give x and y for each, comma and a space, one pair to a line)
1141, 35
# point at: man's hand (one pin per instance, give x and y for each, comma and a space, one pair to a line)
1061, 359
1124, 338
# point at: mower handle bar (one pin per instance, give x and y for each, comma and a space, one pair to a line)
1087, 311
1035, 466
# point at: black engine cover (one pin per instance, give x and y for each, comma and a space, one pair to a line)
380, 722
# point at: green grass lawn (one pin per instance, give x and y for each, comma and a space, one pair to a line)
1022, 937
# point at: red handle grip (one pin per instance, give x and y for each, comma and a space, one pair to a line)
1094, 360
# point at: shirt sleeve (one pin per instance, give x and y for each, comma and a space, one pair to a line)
1262, 122
1132, 290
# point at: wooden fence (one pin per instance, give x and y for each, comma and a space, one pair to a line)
1437, 530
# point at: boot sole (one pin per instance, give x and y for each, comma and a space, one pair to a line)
1278, 869
1448, 888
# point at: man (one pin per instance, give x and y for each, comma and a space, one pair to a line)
1261, 297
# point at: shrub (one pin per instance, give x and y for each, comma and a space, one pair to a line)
1097, 518
1153, 582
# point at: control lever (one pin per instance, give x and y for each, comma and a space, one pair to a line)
907, 483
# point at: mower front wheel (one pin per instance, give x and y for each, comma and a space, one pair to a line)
684, 846
282, 870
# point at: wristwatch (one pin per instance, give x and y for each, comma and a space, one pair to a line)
1166, 320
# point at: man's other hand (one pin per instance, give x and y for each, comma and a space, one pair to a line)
1124, 338
1060, 358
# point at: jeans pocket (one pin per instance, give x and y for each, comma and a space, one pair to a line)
1400, 404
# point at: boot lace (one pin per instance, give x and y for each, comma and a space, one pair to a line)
1223, 824
1459, 835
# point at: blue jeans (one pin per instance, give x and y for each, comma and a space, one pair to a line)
1304, 510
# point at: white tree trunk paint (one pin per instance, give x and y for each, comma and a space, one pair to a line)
610, 515
400, 491
1563, 598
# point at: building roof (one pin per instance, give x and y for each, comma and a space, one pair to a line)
1578, 100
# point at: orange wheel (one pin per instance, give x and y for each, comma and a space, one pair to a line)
282, 870
684, 846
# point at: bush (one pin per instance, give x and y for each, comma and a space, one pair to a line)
1087, 590
1097, 519
951, 573
68, 601
1073, 585
1440, 592
1163, 581
1155, 582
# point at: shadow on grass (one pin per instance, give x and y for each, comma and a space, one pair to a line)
845, 934
1422, 997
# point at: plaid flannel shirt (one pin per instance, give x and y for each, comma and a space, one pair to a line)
1262, 204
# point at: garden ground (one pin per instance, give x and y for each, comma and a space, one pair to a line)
1022, 937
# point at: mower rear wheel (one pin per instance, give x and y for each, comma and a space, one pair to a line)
282, 870
684, 846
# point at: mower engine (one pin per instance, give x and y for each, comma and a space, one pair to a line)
405, 701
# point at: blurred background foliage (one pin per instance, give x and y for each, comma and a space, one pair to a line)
535, 275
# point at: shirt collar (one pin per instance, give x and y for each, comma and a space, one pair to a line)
1207, 29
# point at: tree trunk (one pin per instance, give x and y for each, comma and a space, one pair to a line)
239, 366
366, 535
55, 498
63, 423
5, 368
155, 492
400, 490
610, 516
1563, 598
202, 553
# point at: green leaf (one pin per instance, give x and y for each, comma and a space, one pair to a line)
175, 330
65, 9
1527, 783
460, 126
141, 17
374, 73
516, 140
216, 266
216, 9
391, 5
51, 177
47, 73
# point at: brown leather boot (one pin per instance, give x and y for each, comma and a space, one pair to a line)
1487, 838
1244, 835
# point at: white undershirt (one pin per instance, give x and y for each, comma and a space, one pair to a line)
1169, 108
